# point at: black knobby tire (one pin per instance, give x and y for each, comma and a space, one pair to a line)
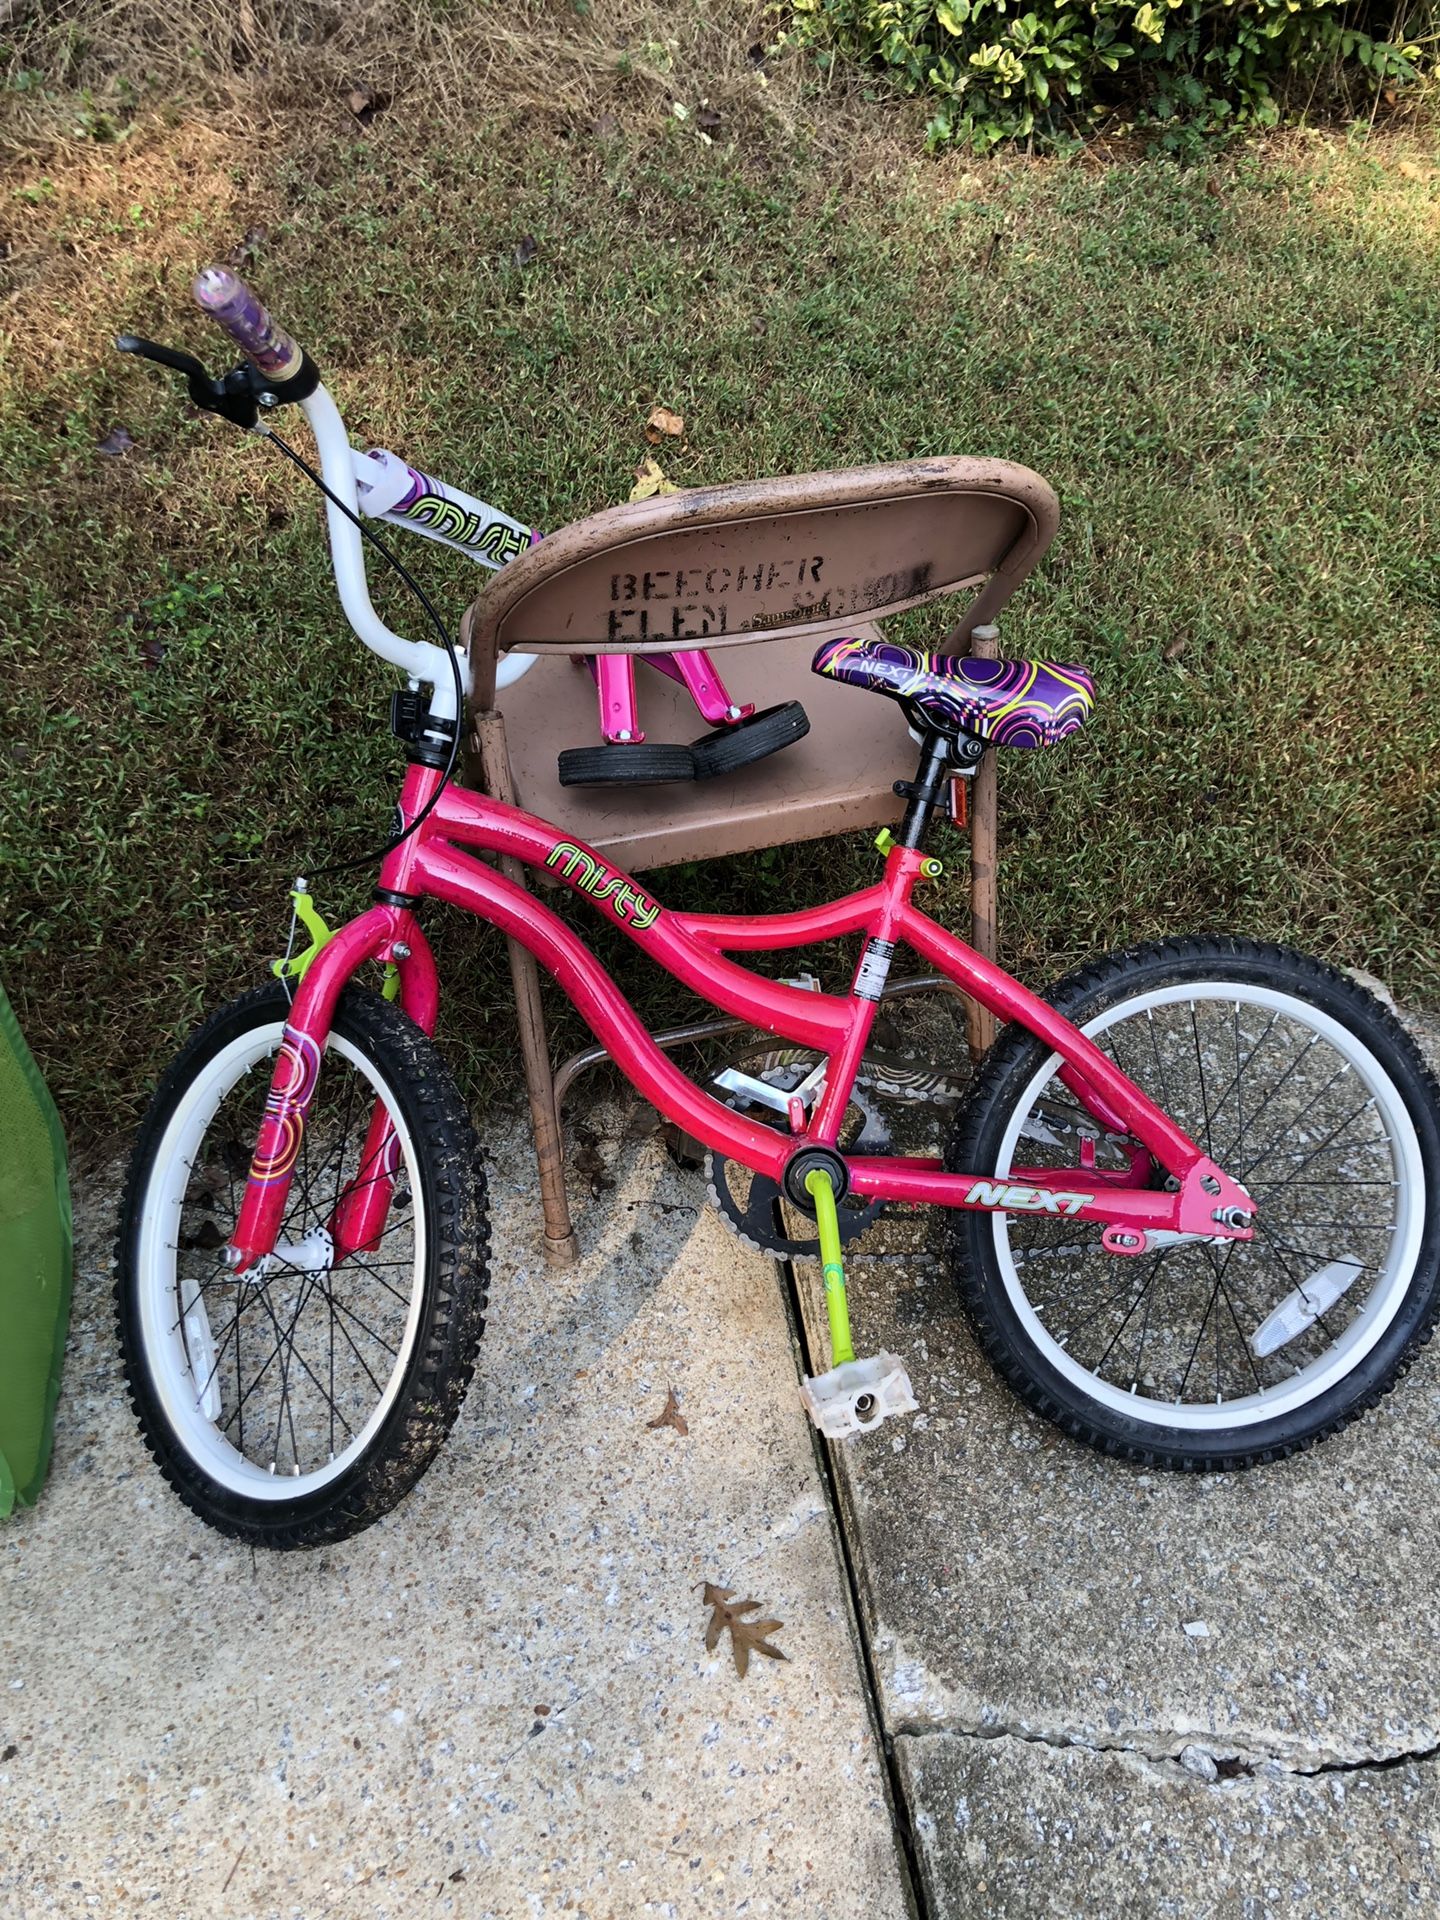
1003, 1089
448, 1175
728, 749
626, 764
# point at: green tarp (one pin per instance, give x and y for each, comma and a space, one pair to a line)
34, 1266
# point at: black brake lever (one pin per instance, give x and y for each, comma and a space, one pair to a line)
233, 396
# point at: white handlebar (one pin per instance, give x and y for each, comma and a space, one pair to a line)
421, 659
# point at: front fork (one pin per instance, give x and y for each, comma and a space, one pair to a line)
392, 936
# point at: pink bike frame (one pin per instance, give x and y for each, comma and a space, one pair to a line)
433, 864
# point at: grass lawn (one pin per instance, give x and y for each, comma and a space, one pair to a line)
1229, 374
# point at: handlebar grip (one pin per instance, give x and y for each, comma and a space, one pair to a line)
225, 297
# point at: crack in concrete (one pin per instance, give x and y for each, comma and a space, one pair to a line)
901, 1817
1232, 1759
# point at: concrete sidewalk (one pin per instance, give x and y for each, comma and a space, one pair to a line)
497, 1702
1064, 1745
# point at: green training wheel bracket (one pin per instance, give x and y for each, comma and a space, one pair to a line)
819, 1186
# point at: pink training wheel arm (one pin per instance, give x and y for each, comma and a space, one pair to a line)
230, 303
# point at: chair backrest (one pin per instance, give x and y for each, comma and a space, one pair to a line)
812, 554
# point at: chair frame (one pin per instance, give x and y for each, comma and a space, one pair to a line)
957, 525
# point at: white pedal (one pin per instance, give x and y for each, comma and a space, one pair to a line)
857, 1396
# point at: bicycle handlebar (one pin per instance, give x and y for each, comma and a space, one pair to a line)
287, 374
227, 300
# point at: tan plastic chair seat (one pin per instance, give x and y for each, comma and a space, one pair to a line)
837, 779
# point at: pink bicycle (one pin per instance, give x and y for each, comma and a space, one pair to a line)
1191, 1193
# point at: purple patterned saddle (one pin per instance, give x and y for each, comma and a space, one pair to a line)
1014, 703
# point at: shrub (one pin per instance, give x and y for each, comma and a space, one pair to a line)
1055, 69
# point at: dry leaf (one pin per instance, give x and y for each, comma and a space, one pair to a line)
1174, 650
206, 1237
588, 1163
1412, 170
662, 422
988, 253
642, 1122
650, 480
671, 1415
746, 1636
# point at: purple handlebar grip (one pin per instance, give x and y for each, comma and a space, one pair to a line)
231, 304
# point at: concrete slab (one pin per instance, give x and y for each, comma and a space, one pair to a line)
1010, 1828
1012, 1579
497, 1702
1064, 1744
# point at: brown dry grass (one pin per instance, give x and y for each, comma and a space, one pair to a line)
253, 64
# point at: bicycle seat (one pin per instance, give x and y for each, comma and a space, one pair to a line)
1013, 703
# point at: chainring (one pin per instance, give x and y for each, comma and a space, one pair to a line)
746, 1201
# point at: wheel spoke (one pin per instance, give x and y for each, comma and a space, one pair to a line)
1200, 1075
1199, 1337
1221, 1263
1325, 1144
1229, 1154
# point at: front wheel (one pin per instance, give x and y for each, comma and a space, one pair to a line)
1308, 1092
293, 1405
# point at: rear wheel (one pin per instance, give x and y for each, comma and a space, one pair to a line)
294, 1405
1191, 1355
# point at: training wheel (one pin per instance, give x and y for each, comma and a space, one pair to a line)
726, 749
624, 765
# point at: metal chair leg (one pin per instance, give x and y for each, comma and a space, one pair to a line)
561, 1247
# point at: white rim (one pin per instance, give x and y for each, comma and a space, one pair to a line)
1386, 1295
163, 1340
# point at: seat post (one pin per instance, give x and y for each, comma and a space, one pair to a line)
925, 790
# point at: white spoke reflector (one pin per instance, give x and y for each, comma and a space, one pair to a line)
1303, 1307
200, 1347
